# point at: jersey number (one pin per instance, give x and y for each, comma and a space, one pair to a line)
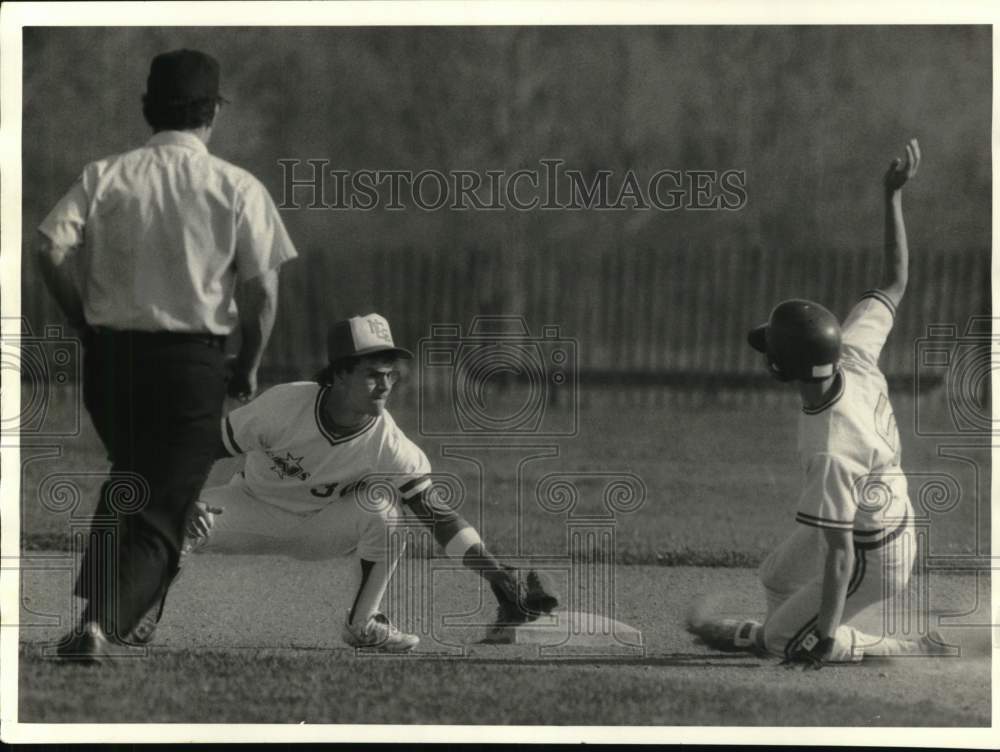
323, 491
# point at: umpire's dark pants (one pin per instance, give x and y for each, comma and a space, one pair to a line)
156, 401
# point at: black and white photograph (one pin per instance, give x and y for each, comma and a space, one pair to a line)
497, 372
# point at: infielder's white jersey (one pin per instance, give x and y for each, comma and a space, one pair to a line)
296, 462
849, 446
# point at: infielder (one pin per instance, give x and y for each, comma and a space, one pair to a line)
328, 471
855, 544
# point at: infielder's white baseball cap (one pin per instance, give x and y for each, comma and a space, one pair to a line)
362, 335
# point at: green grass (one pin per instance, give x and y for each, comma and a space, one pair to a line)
721, 479
255, 639
253, 686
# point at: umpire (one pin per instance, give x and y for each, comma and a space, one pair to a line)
143, 255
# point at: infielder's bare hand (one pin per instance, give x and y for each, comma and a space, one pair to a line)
201, 520
241, 383
899, 171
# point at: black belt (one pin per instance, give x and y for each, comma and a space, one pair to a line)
139, 337
869, 545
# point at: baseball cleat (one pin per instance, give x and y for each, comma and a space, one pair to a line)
522, 596
90, 645
933, 644
144, 630
712, 630
718, 634
379, 634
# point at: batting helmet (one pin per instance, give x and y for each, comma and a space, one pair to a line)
801, 341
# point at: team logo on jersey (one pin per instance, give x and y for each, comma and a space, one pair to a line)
288, 466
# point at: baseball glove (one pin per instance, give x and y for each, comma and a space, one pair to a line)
522, 595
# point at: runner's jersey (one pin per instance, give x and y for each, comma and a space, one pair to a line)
849, 446
296, 462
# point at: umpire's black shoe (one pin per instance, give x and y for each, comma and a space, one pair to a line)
89, 645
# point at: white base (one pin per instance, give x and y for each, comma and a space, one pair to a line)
572, 631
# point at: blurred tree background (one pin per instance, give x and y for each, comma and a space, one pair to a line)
811, 114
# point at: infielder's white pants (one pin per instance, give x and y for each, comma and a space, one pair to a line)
792, 577
249, 525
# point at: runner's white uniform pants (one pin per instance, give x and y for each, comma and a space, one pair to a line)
792, 577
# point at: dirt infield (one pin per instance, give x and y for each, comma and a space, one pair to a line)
230, 615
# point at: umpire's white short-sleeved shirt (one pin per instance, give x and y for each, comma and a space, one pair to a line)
163, 233
296, 462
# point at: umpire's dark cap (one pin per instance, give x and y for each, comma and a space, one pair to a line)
183, 76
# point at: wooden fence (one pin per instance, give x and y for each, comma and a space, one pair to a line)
644, 315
